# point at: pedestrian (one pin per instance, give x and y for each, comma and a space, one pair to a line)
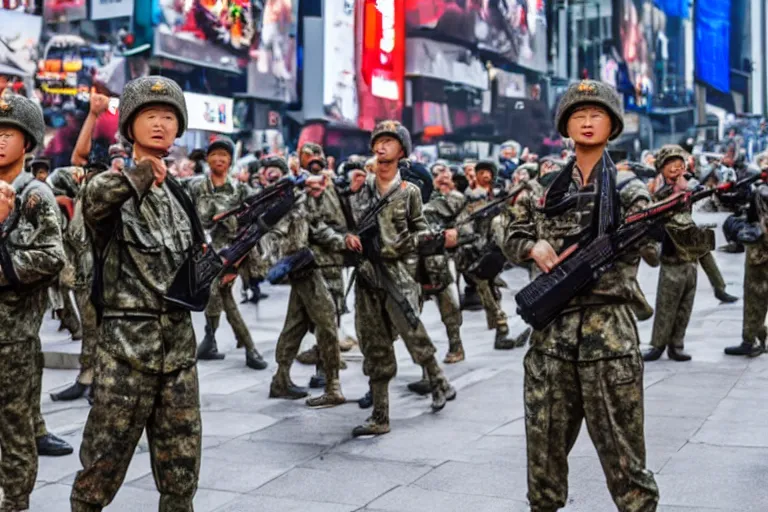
141, 223
31, 257
585, 365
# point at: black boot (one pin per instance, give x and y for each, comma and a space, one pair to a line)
367, 401
317, 381
255, 286
51, 446
471, 300
653, 354
724, 296
254, 360
503, 342
283, 387
73, 392
747, 348
677, 354
208, 350
423, 386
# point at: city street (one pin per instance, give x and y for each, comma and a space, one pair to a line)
706, 426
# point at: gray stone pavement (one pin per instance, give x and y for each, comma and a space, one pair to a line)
707, 433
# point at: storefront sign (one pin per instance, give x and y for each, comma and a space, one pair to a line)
209, 113
106, 9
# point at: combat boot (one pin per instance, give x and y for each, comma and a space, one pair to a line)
725, 297
503, 342
378, 423
310, 356
366, 402
254, 284
208, 349
653, 354
52, 446
73, 392
254, 360
455, 347
332, 396
441, 389
283, 387
471, 300
318, 381
677, 354
421, 387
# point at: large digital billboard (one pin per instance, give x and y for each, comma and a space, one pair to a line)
62, 11
514, 29
25, 6
257, 37
712, 48
340, 76
19, 42
380, 29
635, 49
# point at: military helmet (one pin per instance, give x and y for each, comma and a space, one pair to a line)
151, 90
117, 151
669, 152
25, 115
393, 129
590, 92
275, 161
39, 163
222, 142
487, 165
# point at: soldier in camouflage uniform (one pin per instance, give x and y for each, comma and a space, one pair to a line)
586, 365
31, 256
77, 244
683, 244
141, 225
485, 192
311, 303
214, 194
386, 294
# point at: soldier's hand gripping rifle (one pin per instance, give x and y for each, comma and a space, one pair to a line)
549, 294
190, 288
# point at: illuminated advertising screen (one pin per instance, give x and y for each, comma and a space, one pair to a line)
712, 35
381, 47
339, 76
19, 42
62, 11
209, 113
635, 49
26, 6
258, 38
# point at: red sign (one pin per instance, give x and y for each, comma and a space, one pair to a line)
381, 38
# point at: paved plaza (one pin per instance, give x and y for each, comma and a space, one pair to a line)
706, 426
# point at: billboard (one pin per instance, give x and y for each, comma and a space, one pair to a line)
340, 76
19, 42
26, 6
106, 9
712, 49
635, 49
209, 113
380, 33
513, 29
258, 37
62, 11
444, 61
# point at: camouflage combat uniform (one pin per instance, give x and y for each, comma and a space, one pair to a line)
310, 304
441, 213
378, 317
33, 248
584, 366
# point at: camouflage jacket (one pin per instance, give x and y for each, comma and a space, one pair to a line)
684, 241
401, 225
442, 210
598, 324
33, 247
144, 234
757, 253
327, 209
210, 200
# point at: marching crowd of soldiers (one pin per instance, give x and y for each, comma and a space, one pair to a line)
118, 235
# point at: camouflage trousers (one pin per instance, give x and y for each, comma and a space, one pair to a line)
310, 304
608, 394
37, 391
709, 265
755, 300
494, 315
378, 322
126, 401
674, 304
335, 282
18, 450
90, 335
221, 299
448, 305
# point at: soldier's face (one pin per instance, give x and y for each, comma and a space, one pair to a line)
484, 178
41, 174
219, 161
388, 149
589, 126
155, 128
673, 169
444, 181
12, 145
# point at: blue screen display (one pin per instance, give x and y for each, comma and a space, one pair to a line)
712, 35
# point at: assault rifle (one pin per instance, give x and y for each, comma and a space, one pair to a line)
545, 298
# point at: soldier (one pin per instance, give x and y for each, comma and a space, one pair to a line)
683, 244
40, 168
77, 245
485, 192
213, 194
141, 223
310, 303
586, 364
386, 295
31, 256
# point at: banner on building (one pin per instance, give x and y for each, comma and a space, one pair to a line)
106, 9
510, 85
19, 42
712, 48
446, 62
209, 113
62, 11
340, 76
380, 33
